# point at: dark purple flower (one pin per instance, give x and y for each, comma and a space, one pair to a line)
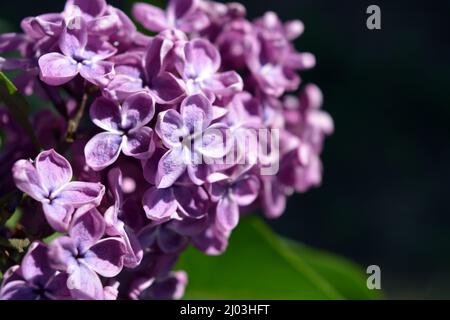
34, 279
115, 227
168, 287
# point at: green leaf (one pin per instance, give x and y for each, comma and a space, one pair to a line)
17, 105
345, 276
260, 265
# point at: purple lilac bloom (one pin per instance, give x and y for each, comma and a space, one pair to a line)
115, 227
185, 15
240, 188
84, 255
47, 180
189, 136
211, 83
200, 72
125, 127
34, 279
77, 56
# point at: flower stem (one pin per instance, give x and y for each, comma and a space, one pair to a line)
75, 121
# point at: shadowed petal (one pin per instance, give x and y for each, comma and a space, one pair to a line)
93, 8
224, 84
57, 288
159, 204
106, 257
274, 200
17, 290
137, 110
193, 201
245, 191
35, 267
198, 173
139, 143
61, 253
166, 88
171, 242
74, 38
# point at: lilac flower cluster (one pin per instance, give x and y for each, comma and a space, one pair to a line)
147, 185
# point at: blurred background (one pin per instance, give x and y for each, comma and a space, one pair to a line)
385, 194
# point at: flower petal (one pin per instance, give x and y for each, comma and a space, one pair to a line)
27, 179
79, 193
17, 290
99, 73
94, 8
87, 228
170, 168
57, 289
139, 143
227, 214
53, 169
274, 200
105, 113
137, 110
202, 59
198, 173
151, 17
61, 253
166, 88
106, 257
196, 111
246, 190
58, 215
171, 242
85, 284
213, 142
169, 128
159, 204
193, 201
102, 150
224, 84
35, 267
56, 69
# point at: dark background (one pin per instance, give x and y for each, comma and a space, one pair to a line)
385, 194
